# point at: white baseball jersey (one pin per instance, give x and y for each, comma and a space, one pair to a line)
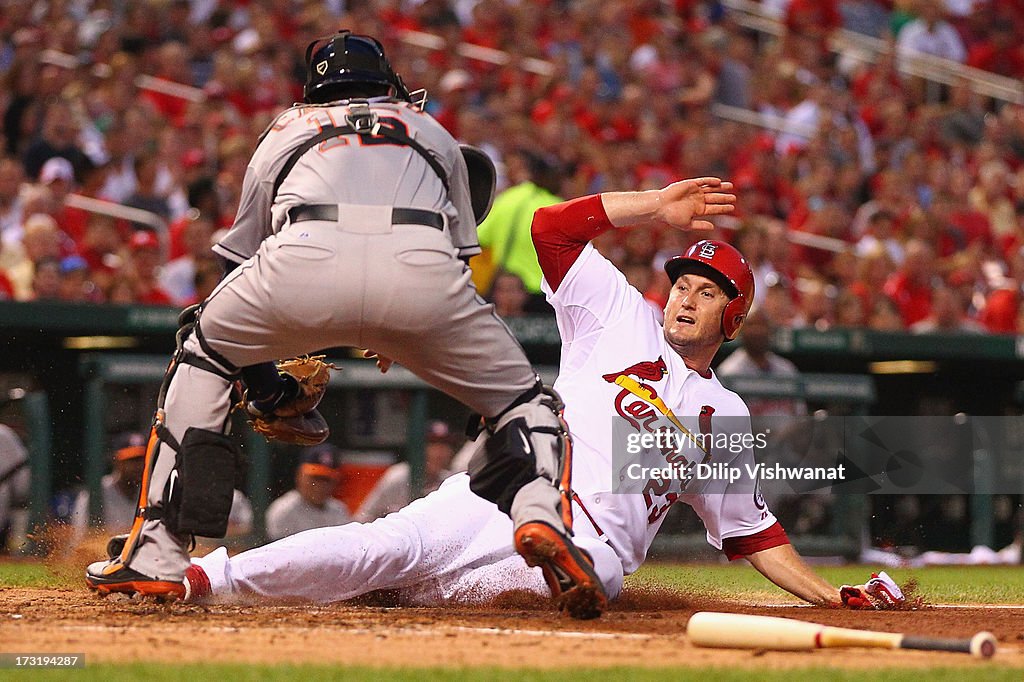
608, 331
339, 171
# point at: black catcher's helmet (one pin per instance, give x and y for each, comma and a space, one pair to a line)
348, 59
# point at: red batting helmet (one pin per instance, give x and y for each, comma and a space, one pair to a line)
726, 267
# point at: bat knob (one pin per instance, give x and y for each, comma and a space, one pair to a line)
983, 645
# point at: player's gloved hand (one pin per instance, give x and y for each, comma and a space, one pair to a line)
290, 415
383, 363
880, 592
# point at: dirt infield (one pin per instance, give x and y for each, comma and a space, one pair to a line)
643, 629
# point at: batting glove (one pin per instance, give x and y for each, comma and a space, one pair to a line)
880, 592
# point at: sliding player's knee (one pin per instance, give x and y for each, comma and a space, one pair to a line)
607, 564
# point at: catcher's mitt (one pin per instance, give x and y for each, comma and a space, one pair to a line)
292, 416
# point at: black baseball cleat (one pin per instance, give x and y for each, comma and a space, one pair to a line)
568, 571
108, 577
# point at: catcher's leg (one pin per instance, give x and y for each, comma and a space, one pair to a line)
525, 468
188, 479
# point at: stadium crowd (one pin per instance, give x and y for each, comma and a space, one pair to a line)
922, 185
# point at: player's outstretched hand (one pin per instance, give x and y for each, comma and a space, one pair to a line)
880, 592
683, 203
383, 363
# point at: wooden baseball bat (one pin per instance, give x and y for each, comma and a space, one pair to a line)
738, 631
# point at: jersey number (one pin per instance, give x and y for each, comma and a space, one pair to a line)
656, 495
360, 140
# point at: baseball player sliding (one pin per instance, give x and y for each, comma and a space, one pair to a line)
357, 213
618, 362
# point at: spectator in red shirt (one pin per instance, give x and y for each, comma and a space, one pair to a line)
960, 226
1000, 313
455, 87
946, 315
59, 177
873, 268
172, 65
1001, 53
145, 264
101, 245
814, 18
910, 287
6, 288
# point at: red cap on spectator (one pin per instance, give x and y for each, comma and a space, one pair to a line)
193, 158
1000, 313
144, 239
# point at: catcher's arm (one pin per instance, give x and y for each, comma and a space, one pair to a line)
291, 415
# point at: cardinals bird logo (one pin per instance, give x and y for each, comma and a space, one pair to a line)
646, 370
641, 413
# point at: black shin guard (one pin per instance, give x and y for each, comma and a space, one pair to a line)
199, 492
504, 465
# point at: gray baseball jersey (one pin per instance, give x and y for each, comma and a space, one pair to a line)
341, 171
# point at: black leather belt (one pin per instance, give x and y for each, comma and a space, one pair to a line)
399, 216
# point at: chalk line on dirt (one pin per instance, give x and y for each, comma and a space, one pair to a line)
417, 631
